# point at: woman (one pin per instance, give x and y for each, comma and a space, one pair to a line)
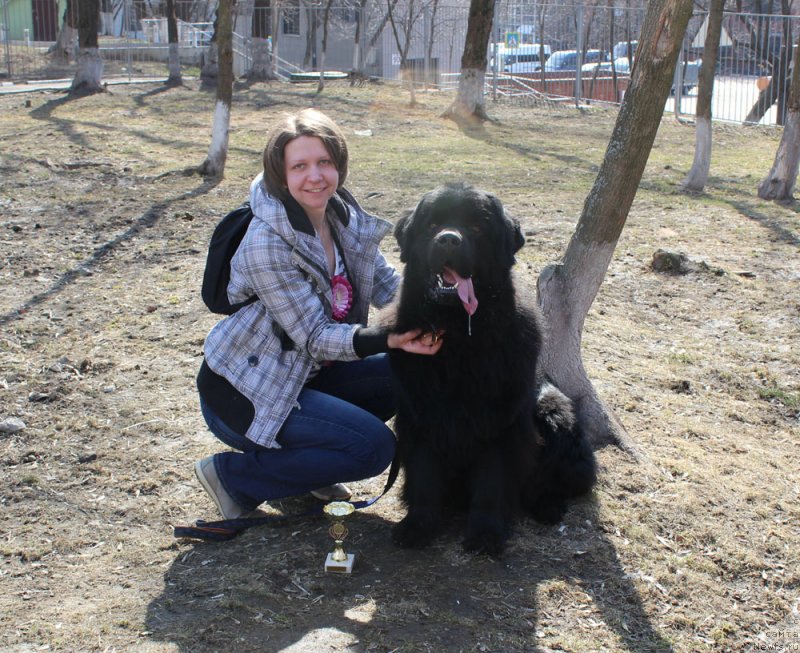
296, 382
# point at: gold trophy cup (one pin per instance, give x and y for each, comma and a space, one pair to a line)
338, 561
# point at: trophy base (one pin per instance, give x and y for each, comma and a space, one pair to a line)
343, 567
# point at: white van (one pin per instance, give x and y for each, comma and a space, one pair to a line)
523, 58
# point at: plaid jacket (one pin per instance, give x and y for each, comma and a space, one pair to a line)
269, 349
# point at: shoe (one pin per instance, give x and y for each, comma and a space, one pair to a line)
207, 475
335, 492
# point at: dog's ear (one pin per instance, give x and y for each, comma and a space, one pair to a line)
401, 235
514, 238
518, 237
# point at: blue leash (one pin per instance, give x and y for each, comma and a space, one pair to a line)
227, 529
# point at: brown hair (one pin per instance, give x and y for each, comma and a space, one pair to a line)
308, 122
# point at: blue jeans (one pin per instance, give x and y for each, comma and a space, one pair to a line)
338, 434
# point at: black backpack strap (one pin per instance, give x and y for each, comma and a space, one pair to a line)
225, 240
227, 529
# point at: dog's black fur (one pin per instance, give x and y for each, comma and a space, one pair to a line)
473, 427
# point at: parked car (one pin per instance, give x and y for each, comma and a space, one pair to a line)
621, 65
690, 71
568, 60
624, 49
522, 59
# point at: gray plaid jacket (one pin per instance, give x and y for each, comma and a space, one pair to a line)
270, 348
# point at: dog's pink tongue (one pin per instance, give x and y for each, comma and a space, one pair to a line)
466, 293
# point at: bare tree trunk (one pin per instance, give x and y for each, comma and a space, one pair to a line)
469, 103
357, 66
261, 70
434, 8
90, 65
274, 32
698, 175
325, 18
376, 35
106, 18
411, 73
214, 165
62, 49
209, 68
766, 98
372, 41
404, 44
261, 45
567, 290
174, 78
781, 77
309, 59
779, 183
540, 34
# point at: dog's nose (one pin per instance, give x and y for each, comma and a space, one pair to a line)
448, 239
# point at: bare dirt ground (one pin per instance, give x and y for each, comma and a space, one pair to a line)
102, 245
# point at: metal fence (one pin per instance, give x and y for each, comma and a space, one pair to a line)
752, 74
570, 52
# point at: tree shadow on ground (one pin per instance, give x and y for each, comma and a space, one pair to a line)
140, 98
102, 252
70, 128
46, 111
268, 94
752, 207
769, 222
266, 591
477, 130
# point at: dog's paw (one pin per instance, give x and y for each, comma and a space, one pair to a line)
415, 531
487, 542
486, 534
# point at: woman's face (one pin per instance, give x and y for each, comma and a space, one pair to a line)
311, 176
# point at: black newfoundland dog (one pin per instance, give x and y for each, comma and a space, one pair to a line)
474, 429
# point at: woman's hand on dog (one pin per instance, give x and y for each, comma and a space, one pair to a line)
416, 341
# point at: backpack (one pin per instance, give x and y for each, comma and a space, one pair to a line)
225, 241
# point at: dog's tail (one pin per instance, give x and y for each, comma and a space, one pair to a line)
568, 456
555, 409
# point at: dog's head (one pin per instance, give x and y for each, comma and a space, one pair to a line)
457, 239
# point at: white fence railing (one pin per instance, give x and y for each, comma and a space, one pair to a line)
190, 35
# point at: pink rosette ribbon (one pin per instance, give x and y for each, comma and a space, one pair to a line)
342, 297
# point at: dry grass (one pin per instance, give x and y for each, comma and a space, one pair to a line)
102, 240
